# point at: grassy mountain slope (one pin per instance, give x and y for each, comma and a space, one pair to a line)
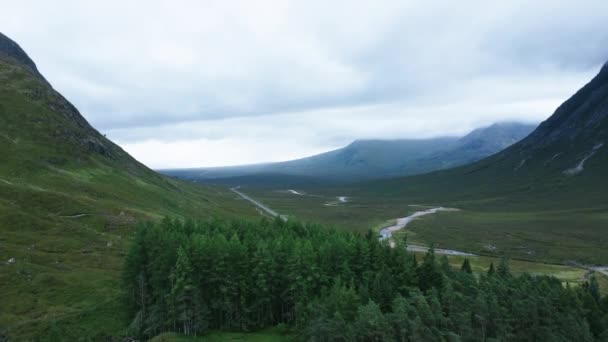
68, 200
368, 159
545, 197
543, 165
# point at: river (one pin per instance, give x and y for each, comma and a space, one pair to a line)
387, 232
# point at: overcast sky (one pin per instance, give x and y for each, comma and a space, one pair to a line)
208, 83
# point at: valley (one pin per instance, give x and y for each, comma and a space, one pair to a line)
487, 226
419, 228
495, 232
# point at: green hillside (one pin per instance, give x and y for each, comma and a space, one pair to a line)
545, 197
69, 198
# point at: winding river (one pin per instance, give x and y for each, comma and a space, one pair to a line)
387, 232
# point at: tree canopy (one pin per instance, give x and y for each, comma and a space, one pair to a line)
188, 277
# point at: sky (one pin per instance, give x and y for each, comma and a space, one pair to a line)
212, 83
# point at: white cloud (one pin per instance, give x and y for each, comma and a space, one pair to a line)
200, 75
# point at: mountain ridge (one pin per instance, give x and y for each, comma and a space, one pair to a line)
554, 180
377, 158
10, 49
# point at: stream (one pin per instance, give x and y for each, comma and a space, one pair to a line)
387, 232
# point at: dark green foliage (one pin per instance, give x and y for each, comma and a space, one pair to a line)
503, 268
491, 270
466, 267
429, 274
190, 277
371, 325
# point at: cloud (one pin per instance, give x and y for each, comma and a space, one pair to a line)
163, 72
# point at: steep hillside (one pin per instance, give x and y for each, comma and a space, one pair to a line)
369, 159
480, 143
544, 197
68, 200
567, 152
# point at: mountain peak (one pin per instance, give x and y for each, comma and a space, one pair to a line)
604, 69
10, 50
56, 119
584, 116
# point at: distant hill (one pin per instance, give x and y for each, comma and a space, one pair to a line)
369, 159
68, 200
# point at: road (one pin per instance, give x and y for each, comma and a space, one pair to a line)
258, 204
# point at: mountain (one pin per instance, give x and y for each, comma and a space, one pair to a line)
480, 143
369, 159
69, 199
545, 197
13, 53
568, 148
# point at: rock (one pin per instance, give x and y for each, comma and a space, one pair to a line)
11, 261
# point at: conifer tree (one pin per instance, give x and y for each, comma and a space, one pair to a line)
189, 277
183, 294
466, 267
503, 268
429, 274
491, 269
371, 324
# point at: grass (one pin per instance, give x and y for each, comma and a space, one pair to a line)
277, 334
569, 275
557, 236
358, 214
65, 266
516, 226
69, 200
538, 242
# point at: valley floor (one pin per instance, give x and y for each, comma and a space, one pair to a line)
277, 334
560, 243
